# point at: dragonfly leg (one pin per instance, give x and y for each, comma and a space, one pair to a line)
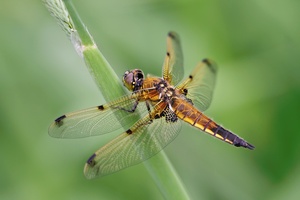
131, 110
149, 111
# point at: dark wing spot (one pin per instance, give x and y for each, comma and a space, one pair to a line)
185, 91
60, 118
171, 117
129, 132
157, 116
101, 107
91, 162
190, 76
59, 121
168, 54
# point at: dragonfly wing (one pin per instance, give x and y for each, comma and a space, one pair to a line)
97, 120
200, 84
173, 64
143, 140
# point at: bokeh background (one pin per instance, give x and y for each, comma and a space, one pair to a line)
256, 45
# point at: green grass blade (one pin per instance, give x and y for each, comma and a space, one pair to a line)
166, 178
103, 74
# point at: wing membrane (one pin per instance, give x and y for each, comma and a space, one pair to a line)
173, 64
137, 144
200, 84
97, 120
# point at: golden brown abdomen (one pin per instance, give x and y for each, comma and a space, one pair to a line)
188, 113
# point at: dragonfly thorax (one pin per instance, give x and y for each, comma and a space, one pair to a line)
165, 90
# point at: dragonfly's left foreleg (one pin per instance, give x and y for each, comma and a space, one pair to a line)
131, 110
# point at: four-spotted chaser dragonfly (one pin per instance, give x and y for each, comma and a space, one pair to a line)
160, 104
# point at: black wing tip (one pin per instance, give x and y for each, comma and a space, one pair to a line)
211, 64
173, 35
207, 61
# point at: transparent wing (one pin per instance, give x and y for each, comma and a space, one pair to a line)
173, 64
137, 144
98, 120
200, 84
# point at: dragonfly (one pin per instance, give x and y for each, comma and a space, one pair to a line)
159, 104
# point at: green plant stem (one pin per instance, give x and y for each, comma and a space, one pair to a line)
103, 74
165, 177
111, 87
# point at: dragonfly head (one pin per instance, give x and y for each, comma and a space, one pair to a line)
133, 79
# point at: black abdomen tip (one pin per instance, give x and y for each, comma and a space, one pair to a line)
250, 146
243, 143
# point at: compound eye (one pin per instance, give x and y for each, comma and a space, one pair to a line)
140, 74
128, 80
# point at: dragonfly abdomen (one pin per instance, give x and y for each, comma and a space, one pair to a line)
230, 137
194, 117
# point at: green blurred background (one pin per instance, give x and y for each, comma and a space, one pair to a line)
256, 45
